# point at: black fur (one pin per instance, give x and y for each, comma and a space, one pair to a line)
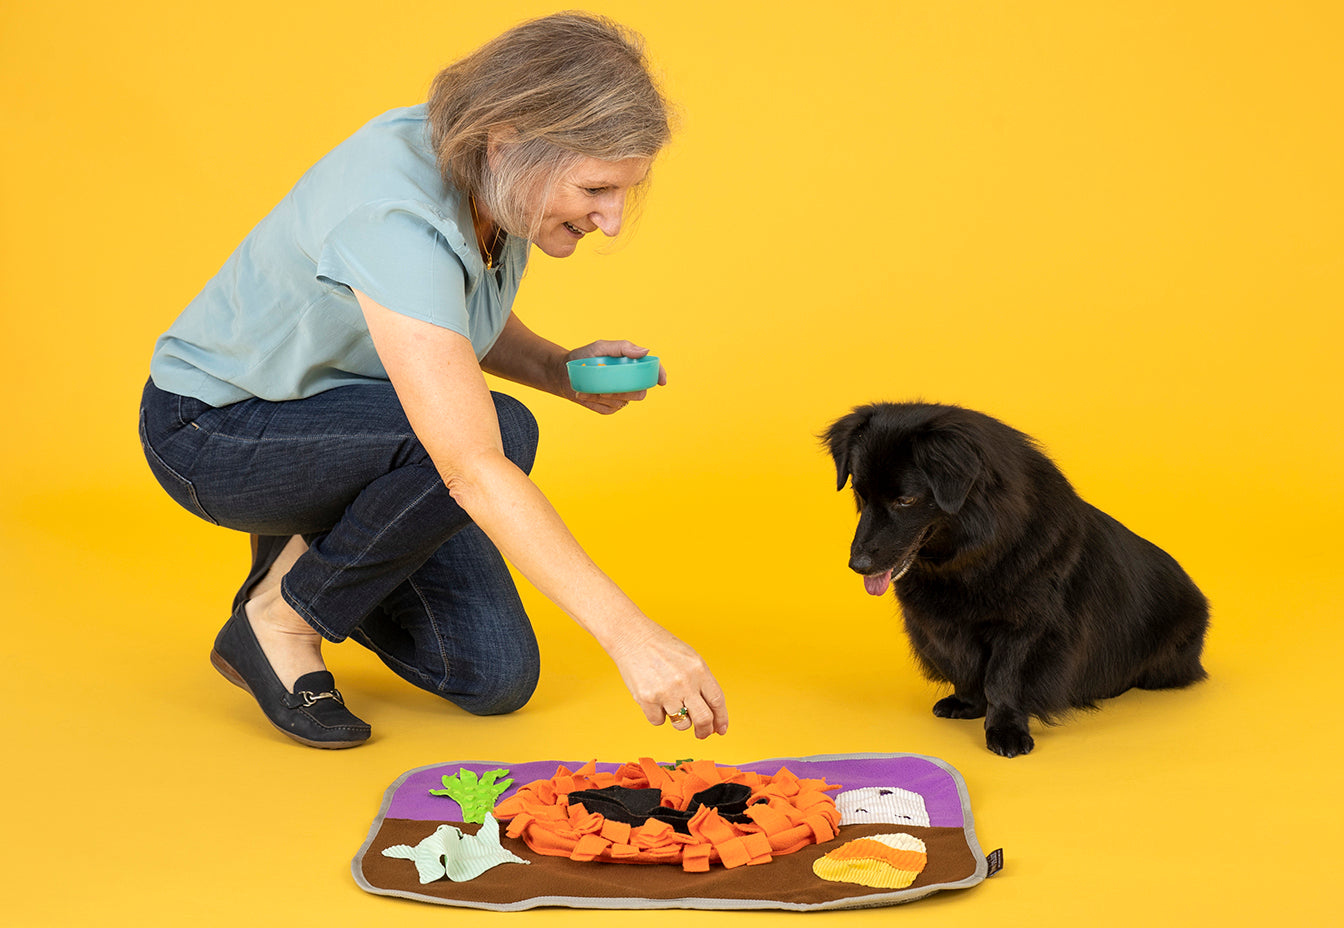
1028, 600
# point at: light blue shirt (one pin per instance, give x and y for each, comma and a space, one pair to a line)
280, 321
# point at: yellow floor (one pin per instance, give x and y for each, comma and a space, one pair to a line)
1114, 225
144, 790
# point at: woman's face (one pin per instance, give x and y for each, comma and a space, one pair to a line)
588, 198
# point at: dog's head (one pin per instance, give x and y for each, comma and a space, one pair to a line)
913, 467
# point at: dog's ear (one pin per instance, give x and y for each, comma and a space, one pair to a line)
951, 465
840, 439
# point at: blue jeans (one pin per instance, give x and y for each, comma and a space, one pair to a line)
392, 562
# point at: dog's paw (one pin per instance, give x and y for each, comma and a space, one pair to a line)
954, 707
1009, 741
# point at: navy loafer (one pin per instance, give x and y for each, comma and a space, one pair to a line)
313, 714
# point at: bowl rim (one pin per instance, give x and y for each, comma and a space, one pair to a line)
605, 360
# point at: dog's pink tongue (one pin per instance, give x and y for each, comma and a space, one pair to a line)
877, 584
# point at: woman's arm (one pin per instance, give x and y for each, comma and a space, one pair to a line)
444, 394
522, 356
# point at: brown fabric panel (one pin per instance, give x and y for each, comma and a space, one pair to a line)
786, 879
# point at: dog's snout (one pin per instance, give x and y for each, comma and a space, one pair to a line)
861, 562
863, 549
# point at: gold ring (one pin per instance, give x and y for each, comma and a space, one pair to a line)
682, 713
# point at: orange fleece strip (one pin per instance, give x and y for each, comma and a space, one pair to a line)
787, 814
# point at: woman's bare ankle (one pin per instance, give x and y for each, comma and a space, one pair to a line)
291, 645
291, 552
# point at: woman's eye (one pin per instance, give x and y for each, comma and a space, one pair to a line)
593, 191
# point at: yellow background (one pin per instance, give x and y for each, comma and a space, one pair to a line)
1116, 225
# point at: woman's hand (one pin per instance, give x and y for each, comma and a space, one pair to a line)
520, 355
607, 403
664, 674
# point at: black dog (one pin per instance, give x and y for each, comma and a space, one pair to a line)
1029, 601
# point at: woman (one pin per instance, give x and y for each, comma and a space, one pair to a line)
324, 393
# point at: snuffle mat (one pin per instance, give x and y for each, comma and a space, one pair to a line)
803, 833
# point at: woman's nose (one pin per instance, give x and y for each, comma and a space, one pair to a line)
607, 217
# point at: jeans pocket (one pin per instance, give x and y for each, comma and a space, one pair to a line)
182, 490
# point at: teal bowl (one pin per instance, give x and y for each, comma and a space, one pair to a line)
613, 375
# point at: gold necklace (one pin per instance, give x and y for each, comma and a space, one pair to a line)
488, 253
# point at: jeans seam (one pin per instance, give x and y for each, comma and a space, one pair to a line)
436, 684
152, 452
434, 626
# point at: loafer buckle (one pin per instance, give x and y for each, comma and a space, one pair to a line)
308, 698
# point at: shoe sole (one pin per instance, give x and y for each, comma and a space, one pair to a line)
228, 673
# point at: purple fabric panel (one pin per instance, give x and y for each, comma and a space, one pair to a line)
916, 774
412, 800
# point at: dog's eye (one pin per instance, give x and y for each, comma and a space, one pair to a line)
904, 501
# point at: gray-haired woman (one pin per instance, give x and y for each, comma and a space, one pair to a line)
324, 393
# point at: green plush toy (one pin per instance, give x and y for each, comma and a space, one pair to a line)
474, 794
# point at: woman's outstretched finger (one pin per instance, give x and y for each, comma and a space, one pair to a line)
717, 707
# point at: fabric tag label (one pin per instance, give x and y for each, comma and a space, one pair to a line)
995, 860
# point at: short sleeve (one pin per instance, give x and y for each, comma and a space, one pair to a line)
398, 254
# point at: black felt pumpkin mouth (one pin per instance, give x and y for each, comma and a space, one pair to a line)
637, 806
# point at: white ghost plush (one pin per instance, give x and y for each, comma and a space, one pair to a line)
881, 805
460, 857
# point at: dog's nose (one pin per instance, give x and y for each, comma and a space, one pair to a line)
861, 563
